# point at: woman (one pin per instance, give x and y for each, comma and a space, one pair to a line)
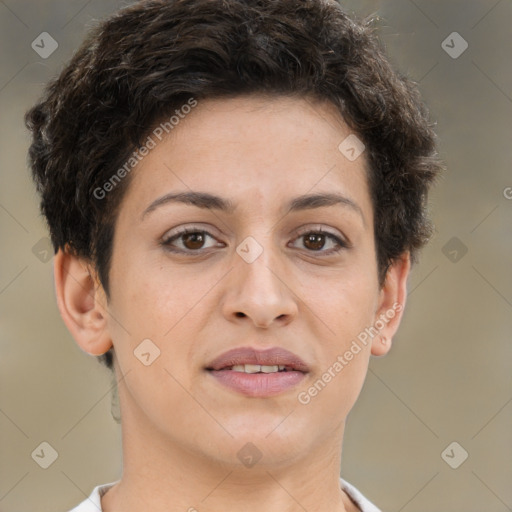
235, 193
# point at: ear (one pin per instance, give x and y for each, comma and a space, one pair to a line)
82, 303
391, 304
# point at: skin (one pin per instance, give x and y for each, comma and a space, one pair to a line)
181, 428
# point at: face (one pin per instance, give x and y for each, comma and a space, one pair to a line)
265, 271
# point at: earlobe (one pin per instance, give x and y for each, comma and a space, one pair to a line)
81, 303
391, 304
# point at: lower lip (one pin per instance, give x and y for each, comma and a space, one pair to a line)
258, 384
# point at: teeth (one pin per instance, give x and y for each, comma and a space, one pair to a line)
255, 368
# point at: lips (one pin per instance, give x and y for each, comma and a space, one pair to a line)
258, 373
249, 356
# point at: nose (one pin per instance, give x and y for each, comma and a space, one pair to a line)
260, 292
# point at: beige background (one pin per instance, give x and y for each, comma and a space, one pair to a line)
448, 377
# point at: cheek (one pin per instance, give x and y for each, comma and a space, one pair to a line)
149, 323
345, 305
345, 301
147, 296
343, 353
167, 307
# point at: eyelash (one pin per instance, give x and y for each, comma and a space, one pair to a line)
166, 242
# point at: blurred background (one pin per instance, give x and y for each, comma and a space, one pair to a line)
432, 430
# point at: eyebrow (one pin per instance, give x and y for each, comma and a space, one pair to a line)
212, 202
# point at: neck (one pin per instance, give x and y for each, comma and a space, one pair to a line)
159, 474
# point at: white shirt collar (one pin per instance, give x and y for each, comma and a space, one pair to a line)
93, 502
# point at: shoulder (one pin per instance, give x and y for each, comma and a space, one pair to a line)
363, 503
93, 502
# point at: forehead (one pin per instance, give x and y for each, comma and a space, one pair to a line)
254, 149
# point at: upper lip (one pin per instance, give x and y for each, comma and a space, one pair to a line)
269, 357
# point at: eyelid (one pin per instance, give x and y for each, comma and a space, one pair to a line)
341, 242
321, 229
167, 237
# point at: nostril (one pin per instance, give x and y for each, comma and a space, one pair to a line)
239, 314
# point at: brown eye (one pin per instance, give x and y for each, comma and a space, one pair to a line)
314, 241
188, 241
193, 240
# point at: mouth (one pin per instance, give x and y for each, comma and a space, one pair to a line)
251, 360
259, 368
257, 373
